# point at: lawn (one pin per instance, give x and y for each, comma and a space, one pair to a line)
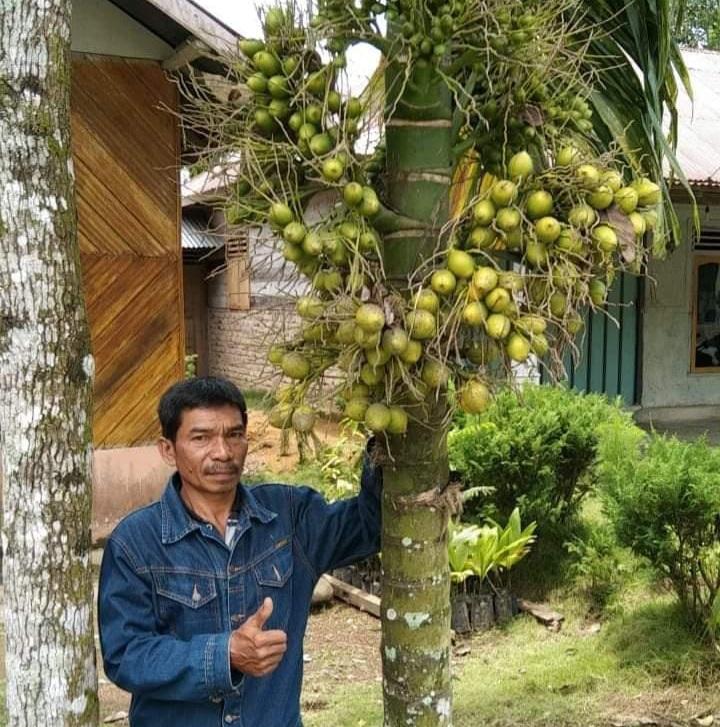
639, 665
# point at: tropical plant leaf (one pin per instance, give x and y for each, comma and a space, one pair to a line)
638, 90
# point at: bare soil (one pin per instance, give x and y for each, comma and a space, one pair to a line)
265, 452
342, 646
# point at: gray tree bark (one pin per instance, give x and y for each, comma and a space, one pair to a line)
46, 373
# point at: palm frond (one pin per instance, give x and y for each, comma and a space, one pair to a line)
638, 90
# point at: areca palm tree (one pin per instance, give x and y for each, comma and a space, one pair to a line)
514, 134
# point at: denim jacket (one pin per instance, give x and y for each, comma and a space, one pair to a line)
171, 592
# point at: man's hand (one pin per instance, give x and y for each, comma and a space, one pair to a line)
254, 651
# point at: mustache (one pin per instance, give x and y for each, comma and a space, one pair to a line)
224, 470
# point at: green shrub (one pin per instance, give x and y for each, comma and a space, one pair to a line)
662, 497
597, 571
535, 449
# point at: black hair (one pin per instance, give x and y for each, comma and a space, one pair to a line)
197, 392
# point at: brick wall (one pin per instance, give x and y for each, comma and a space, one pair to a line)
238, 341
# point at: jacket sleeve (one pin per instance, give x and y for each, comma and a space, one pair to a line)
335, 534
141, 661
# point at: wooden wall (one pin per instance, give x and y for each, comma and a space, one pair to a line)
125, 150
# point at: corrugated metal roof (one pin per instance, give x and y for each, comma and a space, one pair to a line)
699, 129
196, 236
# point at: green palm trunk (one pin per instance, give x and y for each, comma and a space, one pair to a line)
416, 585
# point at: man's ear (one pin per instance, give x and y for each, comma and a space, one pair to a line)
167, 451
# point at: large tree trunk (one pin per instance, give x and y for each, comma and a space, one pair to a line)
416, 584
45, 381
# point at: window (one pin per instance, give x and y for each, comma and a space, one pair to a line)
706, 302
238, 274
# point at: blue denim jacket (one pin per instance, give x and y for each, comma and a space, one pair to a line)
171, 591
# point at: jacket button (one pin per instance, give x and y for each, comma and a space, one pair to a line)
229, 718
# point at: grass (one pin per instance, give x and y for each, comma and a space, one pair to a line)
352, 706
642, 661
530, 676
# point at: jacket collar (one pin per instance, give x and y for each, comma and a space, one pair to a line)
177, 522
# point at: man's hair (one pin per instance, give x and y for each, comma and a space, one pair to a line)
200, 392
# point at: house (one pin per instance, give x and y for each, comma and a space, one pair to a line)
127, 152
239, 296
662, 351
680, 372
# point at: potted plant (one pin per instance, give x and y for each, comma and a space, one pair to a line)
480, 557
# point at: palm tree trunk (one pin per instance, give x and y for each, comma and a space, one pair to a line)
416, 585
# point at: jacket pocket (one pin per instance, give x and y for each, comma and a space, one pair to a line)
274, 579
187, 602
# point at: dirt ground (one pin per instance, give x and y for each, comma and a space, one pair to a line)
265, 451
342, 646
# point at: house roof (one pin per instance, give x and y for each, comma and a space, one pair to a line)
181, 24
209, 186
197, 236
699, 128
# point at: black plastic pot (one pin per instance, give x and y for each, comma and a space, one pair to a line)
503, 605
482, 612
460, 614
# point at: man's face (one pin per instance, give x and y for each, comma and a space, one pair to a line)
209, 449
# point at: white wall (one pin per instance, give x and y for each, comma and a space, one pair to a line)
667, 380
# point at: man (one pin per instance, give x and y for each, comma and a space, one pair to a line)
204, 595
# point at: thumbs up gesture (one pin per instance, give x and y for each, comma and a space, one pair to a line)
254, 651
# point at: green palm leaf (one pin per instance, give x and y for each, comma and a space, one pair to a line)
638, 89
